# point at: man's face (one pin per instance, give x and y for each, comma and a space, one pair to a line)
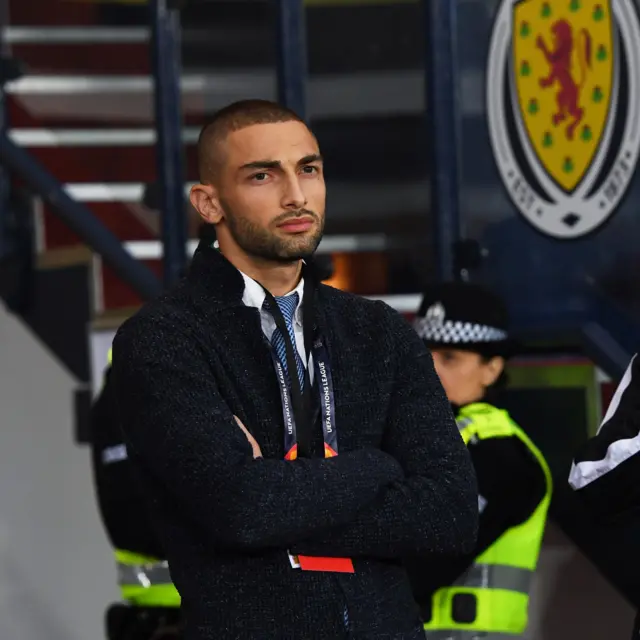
271, 192
465, 375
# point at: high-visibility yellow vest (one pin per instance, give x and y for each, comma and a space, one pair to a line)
145, 581
500, 578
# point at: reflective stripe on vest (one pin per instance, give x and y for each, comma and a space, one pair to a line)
143, 575
145, 581
497, 576
494, 591
459, 634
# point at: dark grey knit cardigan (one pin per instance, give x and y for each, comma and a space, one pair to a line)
402, 485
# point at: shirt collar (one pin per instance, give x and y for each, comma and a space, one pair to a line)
254, 295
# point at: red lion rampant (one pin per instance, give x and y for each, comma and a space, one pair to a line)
559, 59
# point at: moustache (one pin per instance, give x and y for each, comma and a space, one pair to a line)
292, 215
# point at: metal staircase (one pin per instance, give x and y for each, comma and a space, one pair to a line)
81, 113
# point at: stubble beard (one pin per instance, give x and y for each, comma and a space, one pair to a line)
260, 242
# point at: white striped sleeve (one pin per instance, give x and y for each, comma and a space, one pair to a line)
618, 438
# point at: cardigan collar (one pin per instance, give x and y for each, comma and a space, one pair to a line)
219, 280
215, 276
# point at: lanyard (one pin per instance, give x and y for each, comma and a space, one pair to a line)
327, 405
296, 408
296, 401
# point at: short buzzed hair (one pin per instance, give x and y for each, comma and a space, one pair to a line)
234, 117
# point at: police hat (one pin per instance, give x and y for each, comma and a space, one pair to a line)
460, 315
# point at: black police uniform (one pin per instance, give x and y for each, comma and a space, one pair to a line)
126, 521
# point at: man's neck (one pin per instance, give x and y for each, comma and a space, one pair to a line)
277, 278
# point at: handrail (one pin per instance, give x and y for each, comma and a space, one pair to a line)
443, 121
291, 45
80, 219
165, 41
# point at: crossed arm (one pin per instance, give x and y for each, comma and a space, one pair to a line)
434, 508
418, 494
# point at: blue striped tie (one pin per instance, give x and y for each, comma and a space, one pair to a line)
287, 306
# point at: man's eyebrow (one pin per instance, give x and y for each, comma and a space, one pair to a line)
262, 164
314, 157
276, 164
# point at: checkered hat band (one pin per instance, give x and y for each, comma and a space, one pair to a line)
453, 332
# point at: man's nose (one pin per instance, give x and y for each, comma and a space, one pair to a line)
294, 196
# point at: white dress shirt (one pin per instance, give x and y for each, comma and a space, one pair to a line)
254, 296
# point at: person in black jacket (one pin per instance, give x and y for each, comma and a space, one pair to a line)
151, 604
293, 441
605, 472
484, 592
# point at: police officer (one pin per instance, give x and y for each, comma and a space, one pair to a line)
484, 595
151, 609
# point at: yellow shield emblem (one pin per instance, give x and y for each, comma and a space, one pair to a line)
563, 75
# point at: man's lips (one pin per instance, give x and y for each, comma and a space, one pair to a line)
296, 225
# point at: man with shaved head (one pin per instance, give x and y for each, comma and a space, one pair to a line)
293, 441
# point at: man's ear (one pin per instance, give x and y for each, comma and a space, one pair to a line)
204, 199
492, 370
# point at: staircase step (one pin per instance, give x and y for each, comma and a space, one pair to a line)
92, 138
61, 257
344, 142
114, 294
128, 221
121, 58
53, 13
116, 299
122, 98
367, 274
22, 115
237, 34
108, 164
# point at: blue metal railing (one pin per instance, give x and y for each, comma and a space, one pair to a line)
291, 40
4, 178
165, 30
4, 183
443, 126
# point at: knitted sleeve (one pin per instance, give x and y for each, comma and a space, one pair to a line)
184, 440
434, 508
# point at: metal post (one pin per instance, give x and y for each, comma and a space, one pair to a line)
165, 28
442, 113
79, 218
291, 37
5, 184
